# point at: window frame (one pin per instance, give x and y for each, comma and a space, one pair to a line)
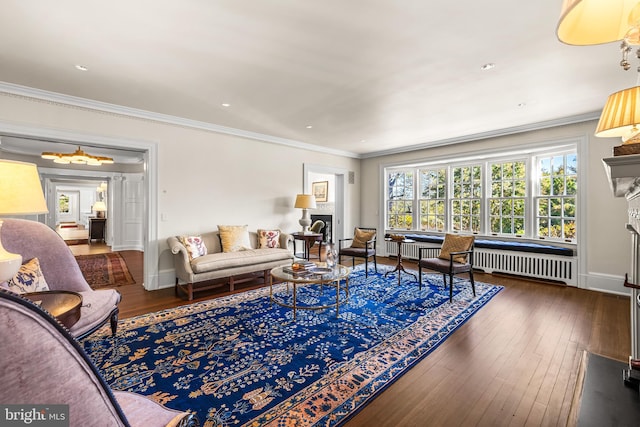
485, 159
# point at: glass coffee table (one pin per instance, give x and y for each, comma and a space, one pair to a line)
337, 277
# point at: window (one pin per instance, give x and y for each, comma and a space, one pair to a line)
400, 200
508, 198
433, 194
466, 200
63, 203
556, 199
527, 193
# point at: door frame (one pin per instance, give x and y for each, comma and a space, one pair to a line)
150, 173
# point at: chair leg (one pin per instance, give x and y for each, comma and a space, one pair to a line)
450, 287
375, 263
114, 322
419, 276
366, 267
473, 283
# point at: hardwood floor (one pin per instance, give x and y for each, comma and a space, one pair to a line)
514, 363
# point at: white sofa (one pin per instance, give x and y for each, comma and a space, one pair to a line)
236, 266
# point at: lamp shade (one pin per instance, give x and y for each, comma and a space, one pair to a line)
99, 206
589, 22
20, 189
305, 201
621, 114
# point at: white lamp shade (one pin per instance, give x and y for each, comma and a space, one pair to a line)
99, 206
20, 189
621, 113
589, 22
305, 201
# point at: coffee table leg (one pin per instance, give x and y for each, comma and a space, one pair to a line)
337, 297
271, 290
294, 300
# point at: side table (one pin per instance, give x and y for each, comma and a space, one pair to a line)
399, 267
308, 239
63, 305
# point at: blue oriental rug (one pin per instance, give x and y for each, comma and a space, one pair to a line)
241, 360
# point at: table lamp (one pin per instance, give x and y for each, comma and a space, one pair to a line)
305, 202
20, 194
100, 208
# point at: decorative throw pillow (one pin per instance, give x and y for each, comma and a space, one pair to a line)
455, 243
269, 238
195, 246
234, 238
361, 237
28, 279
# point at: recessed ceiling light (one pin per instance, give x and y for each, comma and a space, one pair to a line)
226, 105
309, 127
487, 66
81, 68
522, 104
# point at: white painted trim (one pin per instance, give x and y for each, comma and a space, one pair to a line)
59, 98
490, 134
150, 174
607, 283
342, 193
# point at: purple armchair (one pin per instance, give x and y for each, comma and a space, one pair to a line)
32, 239
43, 365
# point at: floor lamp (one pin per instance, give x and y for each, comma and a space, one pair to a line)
20, 194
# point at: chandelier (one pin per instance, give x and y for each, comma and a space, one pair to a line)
78, 157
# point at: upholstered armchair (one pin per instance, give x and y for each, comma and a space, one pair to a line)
60, 269
455, 257
363, 245
42, 364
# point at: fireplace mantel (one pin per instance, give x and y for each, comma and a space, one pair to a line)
624, 175
624, 179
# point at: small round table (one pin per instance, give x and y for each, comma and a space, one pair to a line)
321, 276
63, 305
399, 267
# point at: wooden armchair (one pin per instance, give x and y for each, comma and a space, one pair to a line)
363, 246
43, 364
456, 257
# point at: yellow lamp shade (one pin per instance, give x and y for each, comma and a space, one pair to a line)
621, 114
589, 22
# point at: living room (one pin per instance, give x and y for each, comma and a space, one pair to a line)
200, 174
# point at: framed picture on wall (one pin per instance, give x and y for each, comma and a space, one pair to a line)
320, 190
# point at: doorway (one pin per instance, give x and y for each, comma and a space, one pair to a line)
149, 181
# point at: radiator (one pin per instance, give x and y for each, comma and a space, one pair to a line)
541, 266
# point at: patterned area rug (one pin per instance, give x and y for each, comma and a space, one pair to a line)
241, 360
102, 270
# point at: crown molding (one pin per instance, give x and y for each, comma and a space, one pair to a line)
595, 115
104, 107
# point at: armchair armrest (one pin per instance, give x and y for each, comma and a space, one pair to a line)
343, 240
469, 257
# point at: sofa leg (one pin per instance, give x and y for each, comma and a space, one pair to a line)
175, 289
190, 291
266, 276
231, 284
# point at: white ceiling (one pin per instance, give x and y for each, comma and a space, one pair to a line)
369, 76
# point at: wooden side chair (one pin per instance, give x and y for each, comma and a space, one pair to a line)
363, 245
456, 257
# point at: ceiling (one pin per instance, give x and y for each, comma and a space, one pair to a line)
362, 77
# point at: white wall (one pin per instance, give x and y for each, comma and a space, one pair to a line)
606, 255
204, 178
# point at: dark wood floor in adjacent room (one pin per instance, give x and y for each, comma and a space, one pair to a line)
514, 363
